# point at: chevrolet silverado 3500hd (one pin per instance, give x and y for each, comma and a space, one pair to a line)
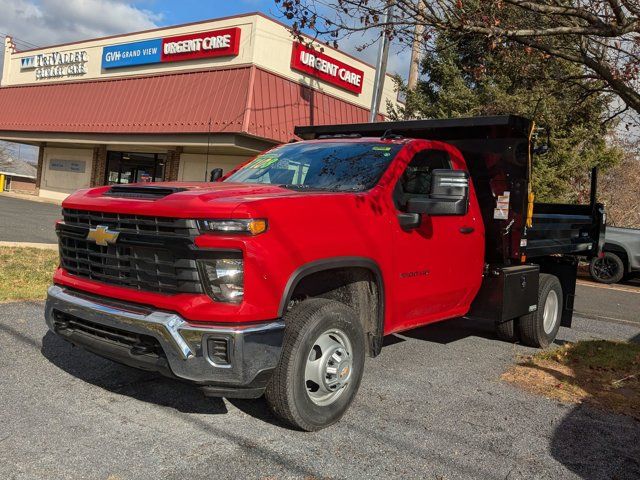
282, 277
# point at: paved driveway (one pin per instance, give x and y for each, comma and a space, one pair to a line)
431, 406
27, 221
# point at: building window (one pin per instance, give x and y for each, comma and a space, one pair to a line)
123, 167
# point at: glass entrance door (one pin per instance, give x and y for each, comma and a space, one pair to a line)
123, 167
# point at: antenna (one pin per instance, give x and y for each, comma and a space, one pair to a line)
206, 167
389, 135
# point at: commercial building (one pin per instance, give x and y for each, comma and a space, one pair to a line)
173, 103
16, 175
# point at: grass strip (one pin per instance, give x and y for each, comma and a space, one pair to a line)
602, 373
25, 273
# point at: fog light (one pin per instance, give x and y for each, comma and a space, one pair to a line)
223, 279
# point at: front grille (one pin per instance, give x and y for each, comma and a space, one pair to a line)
131, 223
151, 253
150, 269
137, 343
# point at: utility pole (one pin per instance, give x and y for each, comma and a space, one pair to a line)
412, 81
381, 63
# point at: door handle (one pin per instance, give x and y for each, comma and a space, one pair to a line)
466, 230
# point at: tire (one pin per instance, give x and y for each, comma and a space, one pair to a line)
317, 330
508, 331
607, 269
532, 328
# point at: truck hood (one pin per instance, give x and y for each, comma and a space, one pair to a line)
179, 199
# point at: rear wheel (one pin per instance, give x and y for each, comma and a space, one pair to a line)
607, 269
320, 367
508, 331
539, 328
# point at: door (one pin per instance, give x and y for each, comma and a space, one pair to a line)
438, 265
125, 167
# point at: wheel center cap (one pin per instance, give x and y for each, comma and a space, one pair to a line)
337, 369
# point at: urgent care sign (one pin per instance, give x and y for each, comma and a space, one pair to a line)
217, 43
326, 68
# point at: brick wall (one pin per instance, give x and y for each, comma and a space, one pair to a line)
23, 186
99, 165
40, 165
172, 165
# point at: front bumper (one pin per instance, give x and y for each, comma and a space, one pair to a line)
161, 341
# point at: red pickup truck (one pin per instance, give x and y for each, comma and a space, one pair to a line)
281, 278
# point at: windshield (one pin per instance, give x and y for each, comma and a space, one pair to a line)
333, 166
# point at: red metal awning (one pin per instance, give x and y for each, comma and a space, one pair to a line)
235, 100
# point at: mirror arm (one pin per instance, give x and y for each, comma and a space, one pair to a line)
409, 221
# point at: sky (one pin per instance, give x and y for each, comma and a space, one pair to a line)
48, 22
40, 23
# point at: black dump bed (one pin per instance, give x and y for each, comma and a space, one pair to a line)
497, 151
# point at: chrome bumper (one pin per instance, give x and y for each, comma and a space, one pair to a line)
253, 350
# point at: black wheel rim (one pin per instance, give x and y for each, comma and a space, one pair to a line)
605, 268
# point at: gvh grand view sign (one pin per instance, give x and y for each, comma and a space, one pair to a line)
128, 54
326, 68
216, 43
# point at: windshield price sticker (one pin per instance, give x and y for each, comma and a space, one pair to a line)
264, 161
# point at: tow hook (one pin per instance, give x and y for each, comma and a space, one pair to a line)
141, 349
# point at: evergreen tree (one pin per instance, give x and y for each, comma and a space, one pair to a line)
472, 76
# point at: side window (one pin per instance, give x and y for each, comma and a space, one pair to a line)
416, 179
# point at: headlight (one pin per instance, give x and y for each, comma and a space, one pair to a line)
252, 226
223, 279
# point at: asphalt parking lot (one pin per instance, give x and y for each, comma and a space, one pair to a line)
431, 406
27, 221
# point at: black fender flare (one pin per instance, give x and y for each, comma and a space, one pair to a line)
341, 262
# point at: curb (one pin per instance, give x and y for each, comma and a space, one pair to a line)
41, 246
31, 198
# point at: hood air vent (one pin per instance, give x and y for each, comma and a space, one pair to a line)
135, 191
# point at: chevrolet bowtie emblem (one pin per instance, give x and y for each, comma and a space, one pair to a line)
102, 235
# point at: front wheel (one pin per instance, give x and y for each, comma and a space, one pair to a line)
320, 366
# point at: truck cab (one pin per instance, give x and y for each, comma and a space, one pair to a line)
282, 277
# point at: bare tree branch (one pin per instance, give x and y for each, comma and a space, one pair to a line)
602, 36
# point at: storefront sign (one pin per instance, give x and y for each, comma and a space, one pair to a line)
27, 63
67, 165
60, 64
130, 54
217, 43
330, 70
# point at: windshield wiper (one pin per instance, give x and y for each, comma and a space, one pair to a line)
311, 188
292, 186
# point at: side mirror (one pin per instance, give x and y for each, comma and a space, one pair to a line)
216, 174
449, 194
